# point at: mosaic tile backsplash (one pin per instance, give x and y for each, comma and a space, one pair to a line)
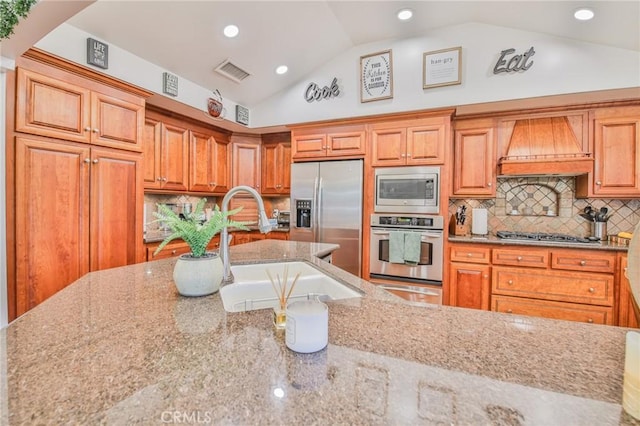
535, 204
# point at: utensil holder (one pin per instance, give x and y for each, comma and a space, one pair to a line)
599, 230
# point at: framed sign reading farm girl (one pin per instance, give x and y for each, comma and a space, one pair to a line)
376, 76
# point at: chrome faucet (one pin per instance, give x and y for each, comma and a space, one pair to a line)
263, 225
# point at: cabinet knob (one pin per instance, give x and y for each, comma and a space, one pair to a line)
173, 251
592, 290
87, 160
509, 311
212, 184
510, 282
87, 129
489, 184
583, 262
408, 155
96, 130
95, 161
519, 258
485, 276
598, 182
469, 255
403, 155
590, 320
159, 179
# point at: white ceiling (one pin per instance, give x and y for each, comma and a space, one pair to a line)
185, 37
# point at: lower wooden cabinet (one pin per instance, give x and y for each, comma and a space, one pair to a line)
555, 310
176, 248
470, 274
277, 236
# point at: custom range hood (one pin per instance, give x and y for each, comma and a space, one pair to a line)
545, 147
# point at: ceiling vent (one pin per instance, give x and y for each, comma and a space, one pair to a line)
231, 71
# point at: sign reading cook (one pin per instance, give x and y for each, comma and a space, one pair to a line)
315, 93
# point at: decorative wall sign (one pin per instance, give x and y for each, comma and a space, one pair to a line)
169, 84
515, 63
97, 53
376, 76
442, 67
315, 93
242, 115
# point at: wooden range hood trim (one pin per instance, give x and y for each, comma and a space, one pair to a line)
543, 147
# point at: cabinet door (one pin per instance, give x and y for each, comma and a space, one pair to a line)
201, 161
474, 165
151, 141
309, 145
346, 144
174, 160
617, 153
116, 123
470, 286
626, 312
52, 218
276, 169
49, 107
425, 144
389, 147
246, 165
116, 208
221, 172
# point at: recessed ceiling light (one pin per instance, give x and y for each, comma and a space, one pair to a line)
583, 14
231, 31
282, 69
405, 14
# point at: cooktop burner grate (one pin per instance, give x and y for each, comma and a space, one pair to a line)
541, 236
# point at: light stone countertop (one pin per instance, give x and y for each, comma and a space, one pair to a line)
121, 346
492, 239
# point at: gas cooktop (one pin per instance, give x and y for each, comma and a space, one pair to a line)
541, 236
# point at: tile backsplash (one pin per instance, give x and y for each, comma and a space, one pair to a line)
548, 204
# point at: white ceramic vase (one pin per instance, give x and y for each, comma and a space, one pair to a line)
198, 276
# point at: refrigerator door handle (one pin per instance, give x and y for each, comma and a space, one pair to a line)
314, 210
319, 238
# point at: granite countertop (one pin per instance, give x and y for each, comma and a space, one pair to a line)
492, 239
120, 346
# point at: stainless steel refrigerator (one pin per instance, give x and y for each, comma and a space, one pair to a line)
326, 207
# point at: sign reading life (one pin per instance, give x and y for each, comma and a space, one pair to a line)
514, 63
315, 93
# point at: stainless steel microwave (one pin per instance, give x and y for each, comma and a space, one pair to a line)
411, 189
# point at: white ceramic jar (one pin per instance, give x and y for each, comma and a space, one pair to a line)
307, 326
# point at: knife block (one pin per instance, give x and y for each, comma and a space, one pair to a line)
458, 230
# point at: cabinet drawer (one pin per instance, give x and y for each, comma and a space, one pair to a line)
170, 250
470, 254
573, 260
595, 289
554, 310
521, 257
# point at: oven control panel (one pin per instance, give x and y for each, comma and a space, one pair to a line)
402, 221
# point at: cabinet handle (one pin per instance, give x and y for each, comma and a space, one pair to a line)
87, 129
95, 161
583, 262
592, 290
159, 179
598, 182
509, 311
510, 282
519, 258
87, 160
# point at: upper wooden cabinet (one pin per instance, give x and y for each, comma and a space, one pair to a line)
276, 164
414, 142
246, 161
74, 110
209, 164
318, 142
474, 162
616, 147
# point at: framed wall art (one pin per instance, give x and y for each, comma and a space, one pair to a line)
376, 76
442, 68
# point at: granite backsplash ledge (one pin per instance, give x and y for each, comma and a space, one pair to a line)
548, 204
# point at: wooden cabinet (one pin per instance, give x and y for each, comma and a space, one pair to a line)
246, 164
346, 141
277, 235
73, 111
616, 148
469, 276
176, 248
415, 142
276, 164
474, 163
575, 285
78, 209
626, 310
209, 163
166, 151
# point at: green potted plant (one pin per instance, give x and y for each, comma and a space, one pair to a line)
200, 272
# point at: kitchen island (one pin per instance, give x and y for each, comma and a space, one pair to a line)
120, 346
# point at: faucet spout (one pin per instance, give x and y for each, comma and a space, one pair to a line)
263, 225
